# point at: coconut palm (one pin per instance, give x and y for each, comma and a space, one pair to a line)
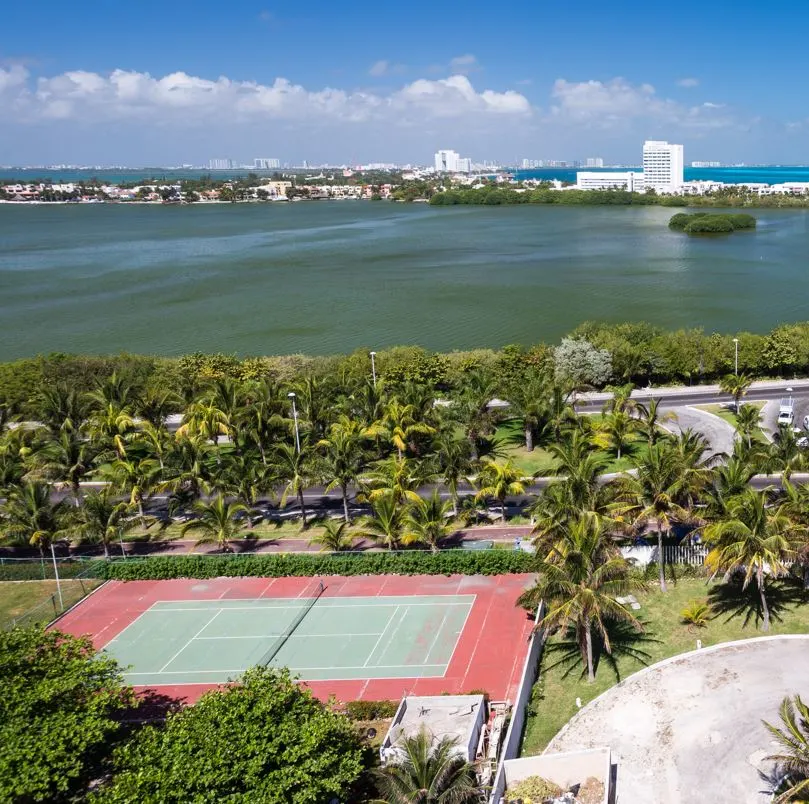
728, 481
155, 441
136, 477
793, 760
651, 420
204, 419
335, 538
755, 539
187, 472
216, 520
244, 479
650, 496
616, 432
581, 467
471, 408
109, 426
154, 405
400, 478
454, 458
402, 425
528, 402
294, 468
29, 516
262, 418
426, 770
748, 418
66, 458
498, 481
579, 581
343, 456
386, 523
784, 454
61, 407
428, 521
103, 520
737, 385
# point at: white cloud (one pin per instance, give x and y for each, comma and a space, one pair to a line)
128, 95
688, 83
385, 67
462, 65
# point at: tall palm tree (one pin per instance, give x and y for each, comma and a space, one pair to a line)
155, 441
335, 538
109, 426
216, 520
737, 385
499, 480
244, 479
615, 432
61, 407
103, 520
454, 458
471, 408
784, 454
137, 477
528, 402
748, 418
428, 771
187, 473
204, 419
66, 458
262, 418
400, 478
402, 425
154, 405
728, 481
754, 539
343, 456
386, 523
793, 762
29, 516
295, 469
579, 581
650, 496
651, 420
427, 521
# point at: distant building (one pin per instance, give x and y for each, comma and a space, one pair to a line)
452, 162
531, 164
626, 180
594, 162
662, 166
706, 164
220, 164
266, 164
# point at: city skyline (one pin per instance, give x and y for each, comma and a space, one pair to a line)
400, 99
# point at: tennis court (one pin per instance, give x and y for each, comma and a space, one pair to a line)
363, 637
191, 642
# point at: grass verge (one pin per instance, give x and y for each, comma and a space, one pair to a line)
19, 597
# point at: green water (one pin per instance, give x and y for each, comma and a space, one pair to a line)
330, 277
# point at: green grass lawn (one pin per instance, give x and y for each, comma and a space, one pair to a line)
563, 678
729, 415
17, 597
289, 529
540, 462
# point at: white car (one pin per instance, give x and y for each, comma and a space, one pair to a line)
806, 422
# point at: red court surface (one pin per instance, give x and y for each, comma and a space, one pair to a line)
489, 654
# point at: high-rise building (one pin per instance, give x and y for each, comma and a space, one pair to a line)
447, 161
662, 166
706, 164
530, 164
594, 162
220, 164
266, 164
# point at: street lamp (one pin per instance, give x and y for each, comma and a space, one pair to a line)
291, 395
373, 367
736, 344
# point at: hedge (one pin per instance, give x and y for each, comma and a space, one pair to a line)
281, 565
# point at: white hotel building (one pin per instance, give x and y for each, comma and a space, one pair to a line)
452, 162
626, 180
662, 166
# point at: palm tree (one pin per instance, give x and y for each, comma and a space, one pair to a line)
187, 472
784, 453
243, 478
154, 405
615, 431
204, 419
216, 520
454, 457
344, 456
528, 402
737, 385
428, 771
294, 468
30, 517
728, 481
651, 419
400, 478
402, 425
65, 458
579, 581
155, 440
748, 418
336, 537
651, 496
385, 524
109, 426
61, 407
793, 763
427, 521
135, 476
755, 539
499, 480
471, 408
102, 520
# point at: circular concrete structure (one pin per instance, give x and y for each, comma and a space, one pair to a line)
689, 729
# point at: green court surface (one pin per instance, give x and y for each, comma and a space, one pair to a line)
212, 641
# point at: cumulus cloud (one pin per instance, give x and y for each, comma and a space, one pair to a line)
127, 95
616, 103
688, 83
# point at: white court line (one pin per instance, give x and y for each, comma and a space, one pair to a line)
376, 644
291, 636
390, 641
189, 641
435, 638
327, 667
368, 598
302, 605
460, 634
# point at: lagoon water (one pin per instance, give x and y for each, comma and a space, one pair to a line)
326, 277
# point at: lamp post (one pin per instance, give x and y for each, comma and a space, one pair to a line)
291, 395
373, 367
736, 345
58, 581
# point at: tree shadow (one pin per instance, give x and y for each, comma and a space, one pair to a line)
732, 600
625, 642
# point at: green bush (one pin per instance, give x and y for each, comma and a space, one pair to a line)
281, 565
371, 710
679, 221
740, 220
709, 224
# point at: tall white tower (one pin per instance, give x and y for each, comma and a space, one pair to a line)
662, 166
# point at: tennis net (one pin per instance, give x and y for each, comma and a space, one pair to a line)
281, 640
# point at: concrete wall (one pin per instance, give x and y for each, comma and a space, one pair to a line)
564, 769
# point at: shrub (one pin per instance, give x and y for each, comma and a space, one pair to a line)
696, 614
280, 565
371, 710
740, 220
709, 224
534, 788
679, 221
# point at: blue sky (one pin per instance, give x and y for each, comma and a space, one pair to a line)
99, 81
